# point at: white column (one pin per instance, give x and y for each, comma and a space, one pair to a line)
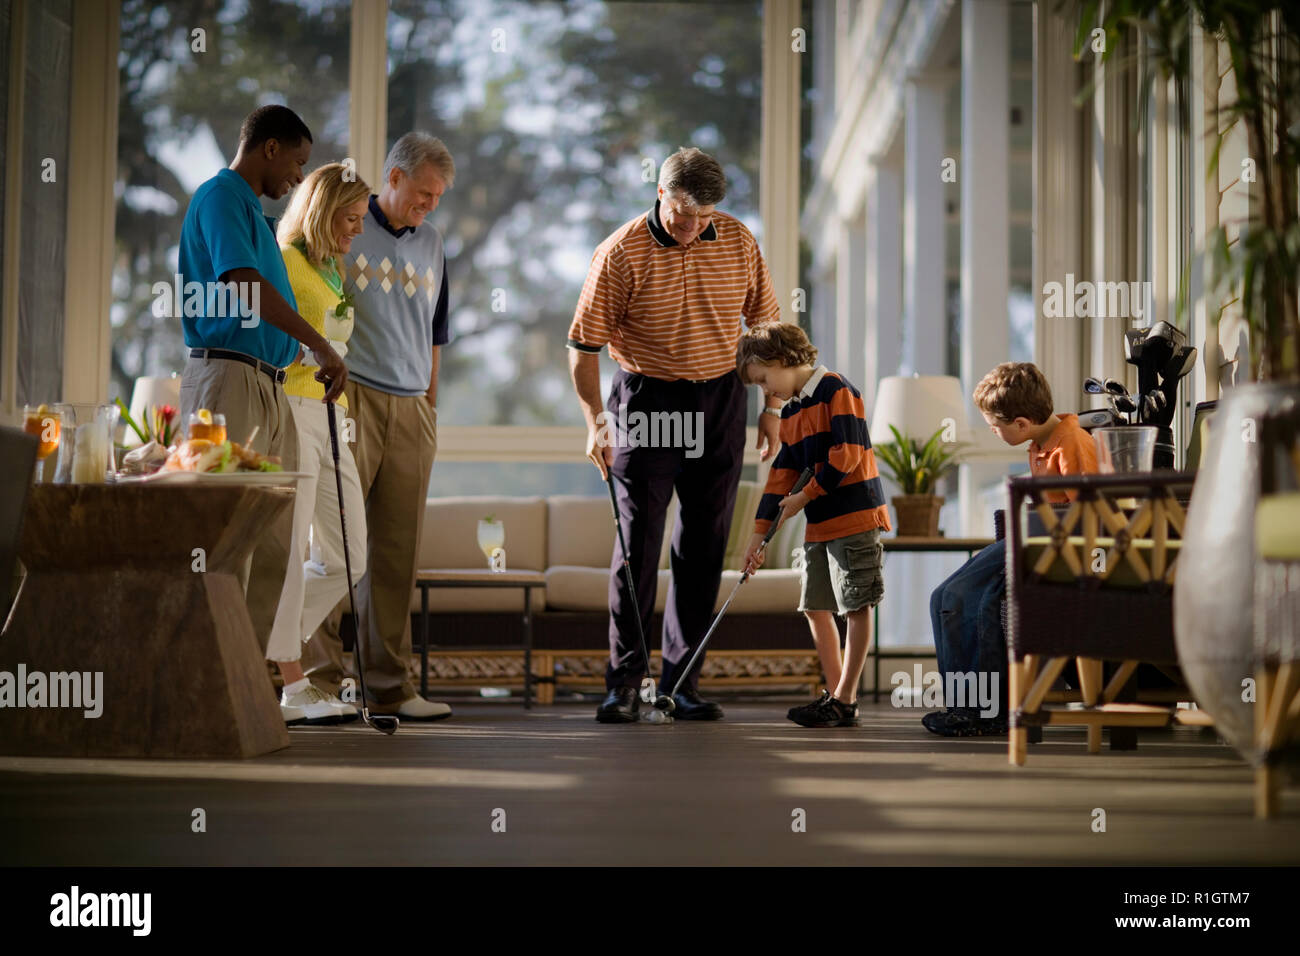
1058, 208
778, 181
853, 259
985, 253
850, 336
924, 226
1110, 258
13, 176
92, 161
368, 89
884, 275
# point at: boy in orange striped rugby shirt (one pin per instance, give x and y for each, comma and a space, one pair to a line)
823, 427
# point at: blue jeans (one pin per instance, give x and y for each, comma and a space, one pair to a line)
965, 613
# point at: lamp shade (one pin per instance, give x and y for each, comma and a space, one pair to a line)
152, 391
918, 406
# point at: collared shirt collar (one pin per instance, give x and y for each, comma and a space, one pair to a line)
383, 220
661, 235
810, 386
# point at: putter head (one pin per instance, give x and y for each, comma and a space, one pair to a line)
656, 716
665, 704
648, 690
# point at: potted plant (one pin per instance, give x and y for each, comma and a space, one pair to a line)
1213, 623
917, 469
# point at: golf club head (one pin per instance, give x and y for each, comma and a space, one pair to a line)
656, 716
1093, 386
1117, 388
1134, 343
1153, 403
648, 690
1179, 364
665, 704
1166, 332
1125, 403
385, 724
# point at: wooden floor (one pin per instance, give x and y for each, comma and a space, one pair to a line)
570, 791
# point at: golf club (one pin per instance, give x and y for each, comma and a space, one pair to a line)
1093, 386
382, 723
665, 702
647, 682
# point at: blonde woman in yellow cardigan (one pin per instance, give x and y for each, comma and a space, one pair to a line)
326, 212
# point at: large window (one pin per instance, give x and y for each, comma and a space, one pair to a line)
190, 72
558, 116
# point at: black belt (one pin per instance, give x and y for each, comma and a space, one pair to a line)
266, 368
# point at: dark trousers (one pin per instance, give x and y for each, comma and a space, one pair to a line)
705, 477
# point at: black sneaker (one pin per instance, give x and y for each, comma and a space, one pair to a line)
956, 723
802, 708
827, 713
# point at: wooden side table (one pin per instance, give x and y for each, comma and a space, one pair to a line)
115, 587
461, 578
914, 545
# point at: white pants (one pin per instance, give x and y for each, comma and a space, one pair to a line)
317, 580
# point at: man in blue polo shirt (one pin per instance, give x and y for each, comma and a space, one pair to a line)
244, 328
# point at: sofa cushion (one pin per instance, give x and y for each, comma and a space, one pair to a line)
587, 589
450, 535
580, 531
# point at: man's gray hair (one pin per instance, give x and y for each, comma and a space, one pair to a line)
694, 175
413, 150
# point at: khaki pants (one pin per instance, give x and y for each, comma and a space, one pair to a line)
396, 441
250, 399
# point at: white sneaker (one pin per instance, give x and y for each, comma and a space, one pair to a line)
309, 706
417, 708
345, 710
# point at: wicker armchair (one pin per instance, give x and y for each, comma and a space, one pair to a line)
1095, 588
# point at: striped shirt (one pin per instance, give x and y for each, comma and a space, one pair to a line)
671, 311
824, 427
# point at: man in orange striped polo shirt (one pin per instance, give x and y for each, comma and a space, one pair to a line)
666, 292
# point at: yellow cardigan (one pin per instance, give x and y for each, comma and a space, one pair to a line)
316, 304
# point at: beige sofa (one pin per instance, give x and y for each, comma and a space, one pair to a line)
571, 540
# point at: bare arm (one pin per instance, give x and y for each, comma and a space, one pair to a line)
584, 368
275, 310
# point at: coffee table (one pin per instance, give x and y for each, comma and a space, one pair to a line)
462, 578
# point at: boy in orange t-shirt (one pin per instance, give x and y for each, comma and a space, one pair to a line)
1016, 402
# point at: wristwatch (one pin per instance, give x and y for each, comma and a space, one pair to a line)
776, 412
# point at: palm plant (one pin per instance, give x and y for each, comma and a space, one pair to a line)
916, 468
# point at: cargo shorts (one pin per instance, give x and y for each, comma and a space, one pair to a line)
843, 574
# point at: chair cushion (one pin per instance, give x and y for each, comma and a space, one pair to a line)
1277, 527
1124, 576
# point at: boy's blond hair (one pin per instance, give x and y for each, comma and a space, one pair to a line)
773, 343
1015, 390
310, 216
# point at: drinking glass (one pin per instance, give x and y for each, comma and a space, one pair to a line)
46, 423
1127, 448
491, 538
213, 429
